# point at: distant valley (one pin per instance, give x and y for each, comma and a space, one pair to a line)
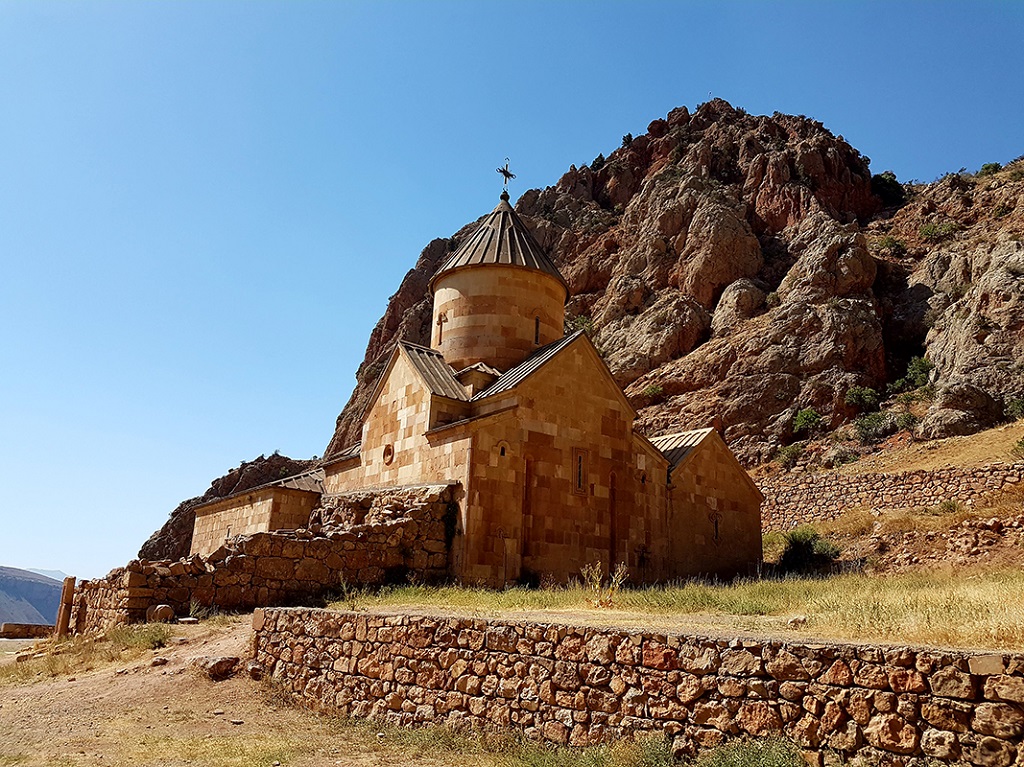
28, 597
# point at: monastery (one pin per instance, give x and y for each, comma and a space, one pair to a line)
528, 426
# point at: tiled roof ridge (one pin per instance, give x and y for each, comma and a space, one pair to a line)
515, 376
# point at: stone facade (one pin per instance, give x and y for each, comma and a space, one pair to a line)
796, 499
582, 686
532, 427
262, 509
497, 316
392, 534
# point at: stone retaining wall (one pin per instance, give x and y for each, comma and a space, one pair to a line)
581, 686
404, 531
25, 630
795, 499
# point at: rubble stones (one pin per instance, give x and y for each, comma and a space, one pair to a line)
401, 530
578, 686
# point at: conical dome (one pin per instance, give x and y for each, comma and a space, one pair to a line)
502, 238
497, 298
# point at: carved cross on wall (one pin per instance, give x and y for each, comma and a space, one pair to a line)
442, 318
715, 518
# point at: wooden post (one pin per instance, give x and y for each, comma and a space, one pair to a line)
67, 598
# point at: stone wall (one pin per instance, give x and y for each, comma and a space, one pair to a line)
405, 531
267, 508
583, 686
24, 630
796, 499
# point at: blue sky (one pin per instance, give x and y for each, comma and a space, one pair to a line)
205, 206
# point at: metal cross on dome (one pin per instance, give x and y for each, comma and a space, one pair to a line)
506, 174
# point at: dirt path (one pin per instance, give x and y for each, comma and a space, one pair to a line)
135, 713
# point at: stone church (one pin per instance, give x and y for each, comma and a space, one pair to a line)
528, 426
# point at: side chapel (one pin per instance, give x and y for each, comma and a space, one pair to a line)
537, 436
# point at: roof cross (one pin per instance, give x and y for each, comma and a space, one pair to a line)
506, 173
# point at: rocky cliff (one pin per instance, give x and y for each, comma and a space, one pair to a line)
174, 539
737, 269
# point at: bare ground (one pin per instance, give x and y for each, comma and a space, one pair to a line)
134, 713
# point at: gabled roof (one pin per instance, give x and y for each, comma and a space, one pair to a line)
438, 374
482, 367
676, 447
310, 481
502, 238
527, 367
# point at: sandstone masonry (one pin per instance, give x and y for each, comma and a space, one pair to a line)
582, 686
796, 499
386, 535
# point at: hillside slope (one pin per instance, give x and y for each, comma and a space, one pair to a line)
736, 269
26, 597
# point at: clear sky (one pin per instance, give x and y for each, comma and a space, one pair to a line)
204, 206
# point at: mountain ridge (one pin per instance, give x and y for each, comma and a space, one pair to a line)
738, 269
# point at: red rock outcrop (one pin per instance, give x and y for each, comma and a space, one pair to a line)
733, 270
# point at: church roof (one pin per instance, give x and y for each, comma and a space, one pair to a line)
502, 238
527, 367
676, 447
438, 374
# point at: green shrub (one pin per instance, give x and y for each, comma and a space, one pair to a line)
598, 163
906, 421
788, 455
808, 421
892, 246
652, 391
874, 427
772, 300
918, 371
888, 187
579, 322
1002, 210
933, 232
1018, 448
806, 550
627, 139
863, 398
989, 169
1015, 409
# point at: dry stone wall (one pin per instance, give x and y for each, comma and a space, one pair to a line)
796, 499
581, 686
405, 531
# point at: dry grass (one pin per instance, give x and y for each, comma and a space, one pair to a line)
81, 654
332, 740
985, 447
929, 608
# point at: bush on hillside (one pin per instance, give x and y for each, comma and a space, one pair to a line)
808, 421
863, 398
806, 551
888, 187
874, 427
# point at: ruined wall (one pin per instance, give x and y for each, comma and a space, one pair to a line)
408, 534
269, 508
796, 499
590, 685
